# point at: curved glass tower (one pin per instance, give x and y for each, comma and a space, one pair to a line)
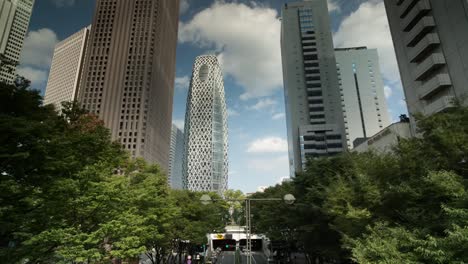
205, 164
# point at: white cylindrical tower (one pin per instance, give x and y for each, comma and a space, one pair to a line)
205, 164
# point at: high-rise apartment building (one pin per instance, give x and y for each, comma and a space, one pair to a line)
176, 157
313, 103
362, 93
430, 39
128, 79
66, 69
205, 165
14, 23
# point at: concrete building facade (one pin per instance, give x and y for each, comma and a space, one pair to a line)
205, 164
362, 93
175, 158
430, 39
313, 106
386, 139
128, 79
14, 22
66, 69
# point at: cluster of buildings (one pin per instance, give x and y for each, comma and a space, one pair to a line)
122, 69
335, 97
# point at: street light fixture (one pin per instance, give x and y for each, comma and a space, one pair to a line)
205, 199
289, 199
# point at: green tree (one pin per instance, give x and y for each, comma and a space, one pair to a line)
70, 194
408, 206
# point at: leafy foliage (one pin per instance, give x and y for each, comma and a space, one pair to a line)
70, 194
408, 206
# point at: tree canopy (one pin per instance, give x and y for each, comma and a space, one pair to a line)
407, 206
68, 194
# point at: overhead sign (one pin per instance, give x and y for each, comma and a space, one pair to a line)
217, 236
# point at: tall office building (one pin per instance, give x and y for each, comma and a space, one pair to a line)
430, 39
362, 93
313, 106
14, 23
66, 69
205, 165
175, 158
128, 79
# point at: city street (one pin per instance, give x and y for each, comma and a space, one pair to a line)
228, 257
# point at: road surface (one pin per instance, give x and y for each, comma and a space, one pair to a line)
228, 257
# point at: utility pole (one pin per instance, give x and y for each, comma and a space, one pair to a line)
248, 231
288, 199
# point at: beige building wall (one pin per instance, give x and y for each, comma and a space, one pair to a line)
128, 80
386, 139
65, 72
430, 39
14, 23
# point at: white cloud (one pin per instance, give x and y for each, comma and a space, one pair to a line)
402, 103
182, 83
268, 145
388, 91
232, 112
179, 123
36, 76
184, 6
333, 6
278, 116
368, 26
274, 165
263, 104
247, 39
62, 3
38, 48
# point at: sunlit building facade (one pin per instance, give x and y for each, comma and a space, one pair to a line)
314, 117
66, 69
362, 93
14, 23
176, 157
129, 73
205, 164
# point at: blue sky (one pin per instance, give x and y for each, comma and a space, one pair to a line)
245, 35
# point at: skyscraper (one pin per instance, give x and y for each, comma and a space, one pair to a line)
362, 93
430, 39
313, 106
66, 69
176, 157
14, 23
205, 166
128, 80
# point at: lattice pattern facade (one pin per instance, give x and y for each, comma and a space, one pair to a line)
205, 164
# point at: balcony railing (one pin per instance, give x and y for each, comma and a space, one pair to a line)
434, 85
439, 105
425, 46
425, 25
432, 62
419, 10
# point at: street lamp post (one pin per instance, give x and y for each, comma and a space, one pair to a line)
288, 199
